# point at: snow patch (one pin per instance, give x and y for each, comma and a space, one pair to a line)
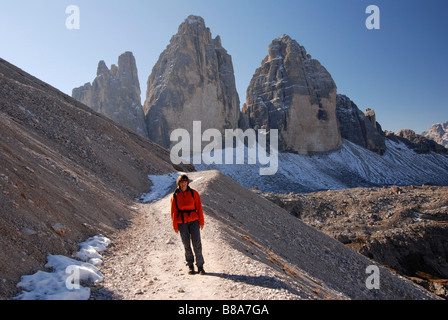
63, 282
161, 186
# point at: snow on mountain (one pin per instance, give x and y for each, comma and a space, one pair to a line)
349, 166
439, 133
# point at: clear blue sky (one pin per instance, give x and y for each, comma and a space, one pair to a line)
401, 70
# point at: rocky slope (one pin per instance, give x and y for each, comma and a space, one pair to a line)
66, 173
116, 93
403, 228
193, 80
295, 94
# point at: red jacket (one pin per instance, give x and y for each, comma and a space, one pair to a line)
185, 201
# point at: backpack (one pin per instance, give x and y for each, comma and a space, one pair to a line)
182, 212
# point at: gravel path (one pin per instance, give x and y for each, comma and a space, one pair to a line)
146, 261
253, 249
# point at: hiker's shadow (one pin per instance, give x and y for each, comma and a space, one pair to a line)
261, 281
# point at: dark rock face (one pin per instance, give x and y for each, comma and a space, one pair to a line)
193, 80
359, 128
295, 94
116, 94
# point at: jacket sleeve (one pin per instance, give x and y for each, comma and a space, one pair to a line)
197, 199
174, 214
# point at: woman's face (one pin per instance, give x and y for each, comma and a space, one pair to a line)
183, 185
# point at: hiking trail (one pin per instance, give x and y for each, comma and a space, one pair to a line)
253, 250
146, 261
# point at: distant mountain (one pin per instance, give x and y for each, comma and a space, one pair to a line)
333, 144
416, 142
116, 93
439, 133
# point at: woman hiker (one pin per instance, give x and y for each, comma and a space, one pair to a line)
188, 218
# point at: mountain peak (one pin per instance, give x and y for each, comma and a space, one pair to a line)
439, 133
193, 80
116, 93
296, 95
192, 25
192, 19
102, 68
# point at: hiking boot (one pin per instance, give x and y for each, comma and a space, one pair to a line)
201, 270
190, 270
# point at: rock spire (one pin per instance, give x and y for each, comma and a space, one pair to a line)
295, 94
193, 80
116, 93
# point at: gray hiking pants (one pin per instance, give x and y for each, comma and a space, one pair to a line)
190, 233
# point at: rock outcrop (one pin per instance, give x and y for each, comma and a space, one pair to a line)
295, 94
439, 133
359, 128
116, 94
193, 80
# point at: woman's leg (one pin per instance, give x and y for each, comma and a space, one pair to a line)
186, 240
196, 240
